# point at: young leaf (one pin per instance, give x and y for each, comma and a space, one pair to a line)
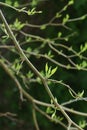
46, 67
53, 115
71, 2
65, 19
29, 74
16, 4
28, 50
59, 34
43, 27
18, 25
53, 71
80, 94
49, 110
83, 124
9, 2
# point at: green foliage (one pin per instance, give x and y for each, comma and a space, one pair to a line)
17, 25
49, 54
17, 66
82, 124
8, 2
59, 34
43, 27
34, 2
53, 112
49, 71
33, 11
83, 48
65, 19
71, 2
80, 94
30, 74
16, 4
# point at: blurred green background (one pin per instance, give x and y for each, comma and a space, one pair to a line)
9, 95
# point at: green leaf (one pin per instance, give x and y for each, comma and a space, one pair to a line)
80, 94
60, 118
28, 39
9, 2
83, 17
71, 2
66, 39
29, 74
46, 67
65, 19
65, 7
59, 34
53, 116
68, 66
16, 4
17, 66
58, 15
18, 25
4, 29
34, 3
33, 11
49, 71
39, 80
83, 48
43, 27
51, 101
84, 64
50, 54
53, 71
49, 110
28, 50
83, 124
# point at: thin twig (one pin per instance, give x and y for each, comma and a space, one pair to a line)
34, 118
